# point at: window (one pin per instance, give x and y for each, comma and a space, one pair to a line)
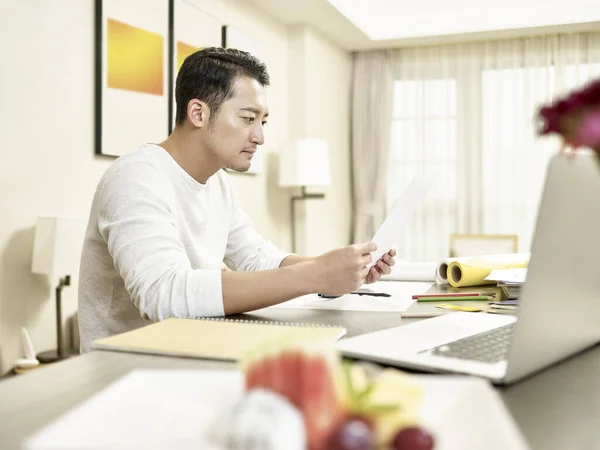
423, 138
467, 114
513, 158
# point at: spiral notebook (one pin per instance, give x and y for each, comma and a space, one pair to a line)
213, 338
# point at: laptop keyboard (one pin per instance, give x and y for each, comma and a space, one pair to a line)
489, 347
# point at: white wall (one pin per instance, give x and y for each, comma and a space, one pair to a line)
47, 163
319, 102
46, 152
328, 81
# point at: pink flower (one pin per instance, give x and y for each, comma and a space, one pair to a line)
551, 120
591, 93
575, 117
588, 132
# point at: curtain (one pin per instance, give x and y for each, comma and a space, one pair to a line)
371, 115
465, 113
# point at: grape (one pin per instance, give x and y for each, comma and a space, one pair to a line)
412, 438
354, 433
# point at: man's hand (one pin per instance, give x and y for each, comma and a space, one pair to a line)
383, 267
336, 272
342, 270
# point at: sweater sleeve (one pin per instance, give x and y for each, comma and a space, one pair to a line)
137, 222
246, 249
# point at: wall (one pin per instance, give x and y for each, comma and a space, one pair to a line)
319, 99
47, 165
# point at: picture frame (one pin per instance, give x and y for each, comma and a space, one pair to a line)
191, 29
233, 37
131, 74
139, 48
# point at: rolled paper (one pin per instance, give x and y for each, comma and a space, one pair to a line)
472, 271
441, 273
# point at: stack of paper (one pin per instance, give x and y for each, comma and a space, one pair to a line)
510, 280
504, 307
511, 290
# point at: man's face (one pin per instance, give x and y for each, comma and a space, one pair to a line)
237, 129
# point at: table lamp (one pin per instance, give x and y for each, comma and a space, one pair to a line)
56, 252
304, 163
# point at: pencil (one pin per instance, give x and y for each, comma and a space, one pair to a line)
452, 294
472, 298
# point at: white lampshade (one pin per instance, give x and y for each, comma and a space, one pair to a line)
304, 162
57, 246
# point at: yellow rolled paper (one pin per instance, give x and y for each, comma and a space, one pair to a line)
473, 271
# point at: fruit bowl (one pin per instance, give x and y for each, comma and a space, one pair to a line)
164, 409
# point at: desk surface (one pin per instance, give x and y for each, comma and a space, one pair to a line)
558, 408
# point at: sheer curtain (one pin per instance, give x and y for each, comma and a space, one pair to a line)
371, 114
465, 113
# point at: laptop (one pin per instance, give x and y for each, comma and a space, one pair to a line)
559, 312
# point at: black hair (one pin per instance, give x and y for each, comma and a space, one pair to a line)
209, 74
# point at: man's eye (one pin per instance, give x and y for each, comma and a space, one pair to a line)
248, 119
264, 123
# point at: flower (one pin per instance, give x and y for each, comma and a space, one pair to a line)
588, 132
575, 117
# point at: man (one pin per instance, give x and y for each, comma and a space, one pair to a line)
165, 217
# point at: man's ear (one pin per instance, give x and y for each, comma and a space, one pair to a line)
198, 113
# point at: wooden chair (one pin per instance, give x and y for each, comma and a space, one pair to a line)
482, 244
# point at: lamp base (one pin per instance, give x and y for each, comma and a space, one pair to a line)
51, 356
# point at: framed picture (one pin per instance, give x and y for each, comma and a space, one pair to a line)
193, 29
232, 37
131, 86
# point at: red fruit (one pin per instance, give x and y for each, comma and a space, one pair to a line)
255, 376
291, 368
320, 404
412, 438
305, 374
353, 433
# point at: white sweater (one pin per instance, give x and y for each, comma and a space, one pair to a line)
155, 242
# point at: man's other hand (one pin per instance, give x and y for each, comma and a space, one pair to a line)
342, 270
382, 267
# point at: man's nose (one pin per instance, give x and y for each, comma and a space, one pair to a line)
258, 136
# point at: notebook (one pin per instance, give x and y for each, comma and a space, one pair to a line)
213, 338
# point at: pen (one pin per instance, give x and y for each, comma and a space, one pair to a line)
452, 294
472, 298
372, 294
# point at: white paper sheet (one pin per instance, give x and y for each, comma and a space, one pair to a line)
400, 300
515, 275
389, 233
174, 409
